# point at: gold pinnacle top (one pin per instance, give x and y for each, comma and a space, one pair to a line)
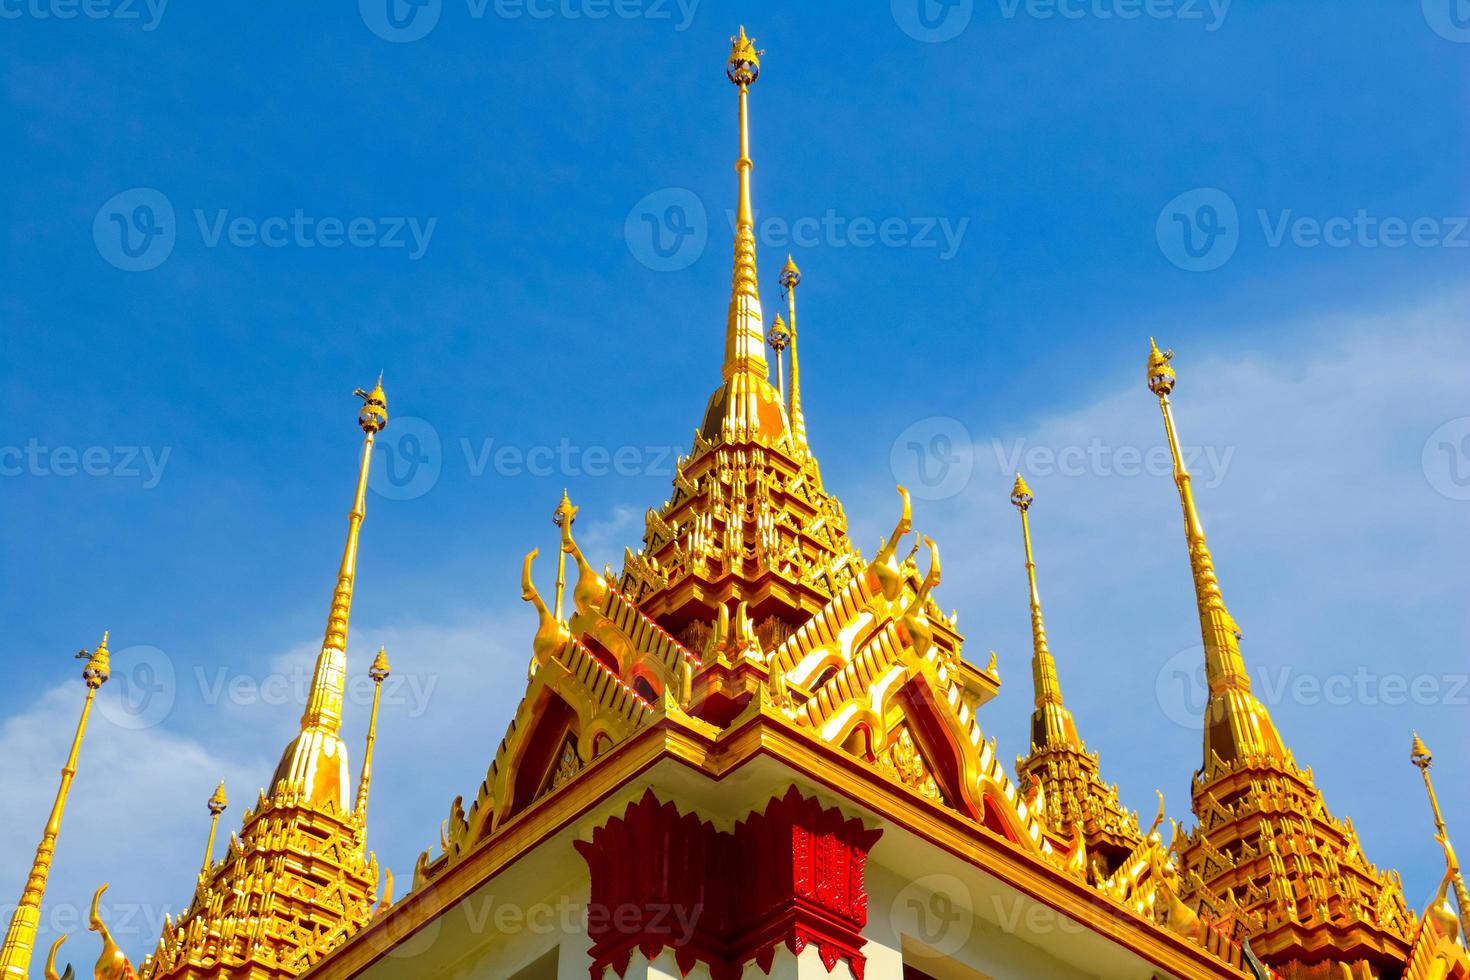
779, 337
1420, 754
565, 514
219, 801
790, 274
99, 664
380, 669
1237, 725
374, 414
744, 65
1021, 495
1160, 372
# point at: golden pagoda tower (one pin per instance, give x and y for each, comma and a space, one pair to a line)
20, 937
298, 879
1076, 798
1266, 845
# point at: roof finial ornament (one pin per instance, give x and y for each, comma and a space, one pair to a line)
20, 936
218, 802
1423, 759
1237, 724
378, 672
563, 517
744, 324
1051, 723
779, 338
790, 279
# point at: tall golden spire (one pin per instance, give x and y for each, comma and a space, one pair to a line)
315, 763
217, 804
1237, 725
744, 325
1423, 759
378, 672
20, 937
745, 407
790, 279
1051, 723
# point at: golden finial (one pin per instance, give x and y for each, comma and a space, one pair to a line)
20, 936
790, 274
316, 760
563, 517
1420, 754
378, 671
99, 664
779, 338
219, 801
1160, 371
1237, 724
1021, 495
744, 66
374, 414
217, 804
1421, 757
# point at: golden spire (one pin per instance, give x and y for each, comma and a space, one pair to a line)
316, 760
563, 517
1237, 725
779, 338
1051, 723
378, 672
790, 279
217, 804
744, 325
20, 937
1421, 757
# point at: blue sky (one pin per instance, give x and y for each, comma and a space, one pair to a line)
994, 204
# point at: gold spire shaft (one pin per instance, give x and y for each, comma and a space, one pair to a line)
744, 325
791, 278
20, 936
1237, 725
324, 705
1051, 723
378, 672
1422, 759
